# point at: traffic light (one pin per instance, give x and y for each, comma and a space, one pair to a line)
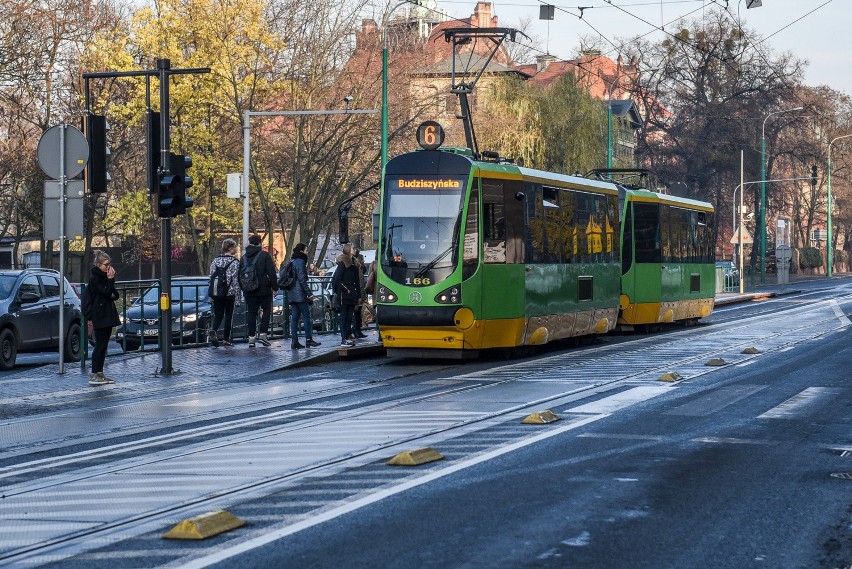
96, 174
171, 199
152, 143
813, 175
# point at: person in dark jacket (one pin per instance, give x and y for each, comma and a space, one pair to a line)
346, 283
223, 307
101, 313
300, 297
261, 298
357, 323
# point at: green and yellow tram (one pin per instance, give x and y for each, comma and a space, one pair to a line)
668, 259
480, 254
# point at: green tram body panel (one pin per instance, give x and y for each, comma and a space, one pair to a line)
668, 259
513, 291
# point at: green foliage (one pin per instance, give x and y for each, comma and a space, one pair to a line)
560, 129
810, 258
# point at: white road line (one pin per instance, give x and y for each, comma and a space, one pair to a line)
620, 400
798, 403
837, 310
732, 441
621, 436
373, 498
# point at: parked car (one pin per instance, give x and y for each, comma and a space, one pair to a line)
29, 315
191, 314
731, 273
321, 313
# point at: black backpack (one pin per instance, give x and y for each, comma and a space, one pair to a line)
287, 276
248, 275
219, 281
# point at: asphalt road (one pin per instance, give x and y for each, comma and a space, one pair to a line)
748, 464
706, 476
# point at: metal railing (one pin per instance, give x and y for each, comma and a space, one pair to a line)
192, 315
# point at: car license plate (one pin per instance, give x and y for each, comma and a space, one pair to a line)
150, 332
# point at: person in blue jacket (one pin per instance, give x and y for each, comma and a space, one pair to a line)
300, 297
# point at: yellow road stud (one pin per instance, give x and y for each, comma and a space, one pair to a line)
415, 457
671, 376
751, 351
541, 417
204, 526
716, 362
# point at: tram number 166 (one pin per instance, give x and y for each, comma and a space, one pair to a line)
418, 281
430, 135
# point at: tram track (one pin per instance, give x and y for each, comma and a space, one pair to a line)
638, 360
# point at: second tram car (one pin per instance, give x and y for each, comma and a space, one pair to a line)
667, 259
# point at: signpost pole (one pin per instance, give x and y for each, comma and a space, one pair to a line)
63, 179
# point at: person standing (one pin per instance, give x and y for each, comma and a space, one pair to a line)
345, 283
261, 297
357, 324
299, 297
101, 313
223, 306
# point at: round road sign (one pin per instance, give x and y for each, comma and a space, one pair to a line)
76, 151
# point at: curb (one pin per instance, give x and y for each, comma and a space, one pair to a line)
753, 296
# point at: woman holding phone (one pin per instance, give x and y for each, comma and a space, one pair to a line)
101, 313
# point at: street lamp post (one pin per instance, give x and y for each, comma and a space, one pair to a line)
763, 190
385, 80
830, 246
742, 256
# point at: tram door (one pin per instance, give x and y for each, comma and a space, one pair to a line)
503, 248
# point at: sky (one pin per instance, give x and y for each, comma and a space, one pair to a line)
814, 30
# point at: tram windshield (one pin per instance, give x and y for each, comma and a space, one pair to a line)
421, 224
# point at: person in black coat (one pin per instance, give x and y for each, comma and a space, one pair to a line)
261, 298
300, 297
348, 285
101, 313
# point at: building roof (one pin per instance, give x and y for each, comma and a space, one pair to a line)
626, 108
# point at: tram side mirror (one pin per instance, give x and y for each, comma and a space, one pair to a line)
520, 196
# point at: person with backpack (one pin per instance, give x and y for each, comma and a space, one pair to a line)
259, 283
224, 291
347, 284
294, 279
101, 313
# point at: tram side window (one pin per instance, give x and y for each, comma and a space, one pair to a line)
627, 242
470, 255
493, 222
580, 225
534, 234
542, 230
646, 224
514, 218
704, 237
611, 229
665, 234
567, 234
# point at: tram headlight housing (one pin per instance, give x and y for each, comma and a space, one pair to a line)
387, 295
451, 295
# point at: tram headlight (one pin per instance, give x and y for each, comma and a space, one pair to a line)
451, 295
387, 295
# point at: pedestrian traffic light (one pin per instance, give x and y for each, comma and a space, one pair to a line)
96, 174
180, 163
152, 143
813, 175
171, 199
